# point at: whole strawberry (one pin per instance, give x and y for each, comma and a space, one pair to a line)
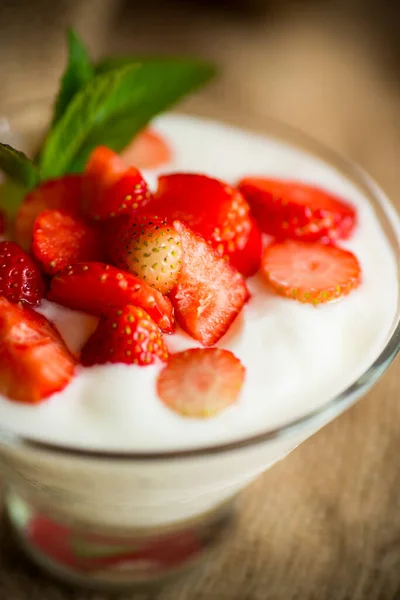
151, 249
127, 335
20, 279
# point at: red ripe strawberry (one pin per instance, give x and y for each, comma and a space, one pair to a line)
111, 188
214, 210
20, 279
148, 150
63, 194
34, 361
201, 382
210, 293
310, 272
247, 260
95, 288
53, 540
60, 239
289, 209
150, 249
127, 335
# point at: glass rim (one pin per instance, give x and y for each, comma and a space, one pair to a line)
294, 137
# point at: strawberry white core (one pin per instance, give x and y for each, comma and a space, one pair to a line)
297, 357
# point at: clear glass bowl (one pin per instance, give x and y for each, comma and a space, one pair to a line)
114, 520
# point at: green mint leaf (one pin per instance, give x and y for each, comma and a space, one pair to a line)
89, 106
78, 72
18, 166
151, 88
110, 63
11, 196
114, 106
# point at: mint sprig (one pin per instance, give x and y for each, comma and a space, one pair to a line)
18, 166
78, 73
104, 104
94, 102
150, 89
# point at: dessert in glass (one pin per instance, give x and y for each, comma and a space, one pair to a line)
174, 321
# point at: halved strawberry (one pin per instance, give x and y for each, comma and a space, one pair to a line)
110, 187
310, 272
34, 361
127, 335
63, 194
149, 248
20, 279
148, 150
61, 239
290, 209
210, 293
201, 382
214, 210
95, 288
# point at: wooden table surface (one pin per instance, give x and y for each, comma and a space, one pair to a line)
323, 524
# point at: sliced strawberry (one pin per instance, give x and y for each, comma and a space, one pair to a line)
148, 150
34, 361
64, 194
214, 210
289, 209
149, 248
310, 272
111, 188
89, 553
53, 540
20, 279
201, 382
210, 293
61, 239
95, 288
127, 335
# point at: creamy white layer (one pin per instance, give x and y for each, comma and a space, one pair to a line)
297, 357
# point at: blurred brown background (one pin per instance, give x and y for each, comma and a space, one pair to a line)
325, 523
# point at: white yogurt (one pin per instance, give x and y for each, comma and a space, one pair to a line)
297, 356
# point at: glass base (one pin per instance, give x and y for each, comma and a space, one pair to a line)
115, 560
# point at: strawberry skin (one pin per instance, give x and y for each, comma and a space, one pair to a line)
150, 249
148, 150
110, 188
214, 210
201, 382
127, 335
310, 272
290, 209
60, 239
63, 194
34, 361
209, 294
96, 288
20, 279
247, 260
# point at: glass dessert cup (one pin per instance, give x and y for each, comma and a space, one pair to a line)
116, 519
